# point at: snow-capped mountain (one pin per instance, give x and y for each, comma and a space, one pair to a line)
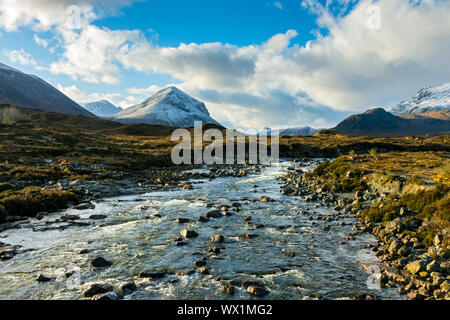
426, 100
102, 108
169, 107
24, 90
298, 131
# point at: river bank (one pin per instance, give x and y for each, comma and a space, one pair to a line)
409, 219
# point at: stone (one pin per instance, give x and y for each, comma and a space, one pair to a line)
84, 206
228, 289
217, 238
181, 220
200, 263
393, 226
433, 266
257, 291
43, 278
264, 199
202, 219
395, 246
438, 239
97, 216
152, 274
185, 272
289, 254
415, 266
214, 214
128, 287
109, 296
97, 288
203, 271
188, 234
101, 262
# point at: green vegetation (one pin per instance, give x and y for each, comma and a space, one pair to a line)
339, 176
31, 200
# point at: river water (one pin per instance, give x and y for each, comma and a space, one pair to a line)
135, 240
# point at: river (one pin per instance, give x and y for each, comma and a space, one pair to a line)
136, 240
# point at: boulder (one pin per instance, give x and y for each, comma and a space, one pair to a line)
214, 214
217, 238
188, 233
152, 274
97, 288
100, 262
415, 266
257, 291
43, 278
128, 287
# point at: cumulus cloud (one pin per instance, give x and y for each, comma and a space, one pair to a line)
347, 68
45, 14
81, 97
21, 57
89, 54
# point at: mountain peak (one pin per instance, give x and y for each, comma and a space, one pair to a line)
425, 100
102, 108
169, 106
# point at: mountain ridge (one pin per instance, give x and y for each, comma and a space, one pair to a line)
21, 89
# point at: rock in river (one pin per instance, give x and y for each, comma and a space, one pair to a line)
257, 291
100, 262
217, 238
185, 233
214, 214
97, 288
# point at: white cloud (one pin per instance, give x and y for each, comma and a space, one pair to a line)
275, 83
89, 54
21, 57
79, 96
278, 4
41, 42
151, 90
45, 14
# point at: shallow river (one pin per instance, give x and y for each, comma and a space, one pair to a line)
134, 240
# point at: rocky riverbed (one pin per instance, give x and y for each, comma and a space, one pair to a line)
417, 271
236, 237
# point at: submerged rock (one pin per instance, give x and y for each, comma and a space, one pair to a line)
97, 288
101, 262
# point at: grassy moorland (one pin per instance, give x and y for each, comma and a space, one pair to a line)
37, 146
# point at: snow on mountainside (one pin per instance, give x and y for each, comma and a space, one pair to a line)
300, 131
170, 107
426, 100
30, 91
102, 108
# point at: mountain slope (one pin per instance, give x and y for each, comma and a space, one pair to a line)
425, 100
298, 131
102, 108
170, 107
20, 89
380, 123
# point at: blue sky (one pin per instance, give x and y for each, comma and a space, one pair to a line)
254, 63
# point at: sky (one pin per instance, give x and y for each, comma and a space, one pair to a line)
254, 63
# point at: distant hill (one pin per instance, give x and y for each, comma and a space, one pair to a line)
296, 131
102, 108
425, 100
169, 107
21, 89
380, 123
